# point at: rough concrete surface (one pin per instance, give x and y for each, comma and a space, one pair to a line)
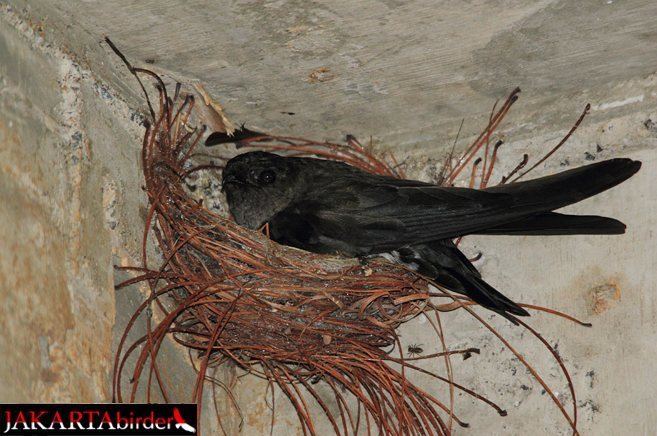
405, 73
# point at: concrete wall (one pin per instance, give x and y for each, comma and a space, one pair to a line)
405, 73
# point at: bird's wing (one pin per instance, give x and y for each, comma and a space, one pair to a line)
370, 215
361, 217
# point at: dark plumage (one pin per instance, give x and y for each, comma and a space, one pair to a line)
330, 207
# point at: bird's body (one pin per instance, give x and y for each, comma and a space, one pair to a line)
325, 206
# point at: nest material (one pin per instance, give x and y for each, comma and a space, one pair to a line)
290, 315
287, 315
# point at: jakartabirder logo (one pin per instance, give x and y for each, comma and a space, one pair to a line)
98, 419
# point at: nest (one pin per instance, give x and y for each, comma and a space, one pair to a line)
292, 317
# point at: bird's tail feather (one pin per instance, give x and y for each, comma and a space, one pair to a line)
487, 296
531, 205
558, 190
443, 262
552, 223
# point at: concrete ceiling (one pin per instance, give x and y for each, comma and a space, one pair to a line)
403, 72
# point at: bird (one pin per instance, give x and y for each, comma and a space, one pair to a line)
330, 207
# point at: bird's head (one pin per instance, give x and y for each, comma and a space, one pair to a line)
258, 185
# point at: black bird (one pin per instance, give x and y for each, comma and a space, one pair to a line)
325, 206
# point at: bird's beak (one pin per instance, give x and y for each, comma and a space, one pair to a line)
227, 180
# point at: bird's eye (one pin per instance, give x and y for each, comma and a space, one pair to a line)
266, 177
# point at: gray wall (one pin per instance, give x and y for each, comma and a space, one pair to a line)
405, 73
